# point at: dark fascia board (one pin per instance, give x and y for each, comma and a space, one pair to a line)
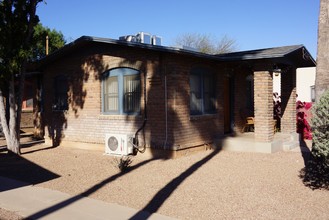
275, 52
278, 53
251, 55
89, 40
148, 47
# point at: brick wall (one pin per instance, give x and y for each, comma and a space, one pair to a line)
186, 130
84, 121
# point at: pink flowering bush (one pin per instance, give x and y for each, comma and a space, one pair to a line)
304, 116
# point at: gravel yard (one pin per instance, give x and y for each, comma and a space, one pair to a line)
204, 185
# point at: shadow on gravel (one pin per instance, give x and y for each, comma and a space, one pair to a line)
314, 175
34, 150
306, 153
9, 184
16, 167
88, 192
159, 198
150, 208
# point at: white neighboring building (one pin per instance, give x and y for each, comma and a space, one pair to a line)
305, 81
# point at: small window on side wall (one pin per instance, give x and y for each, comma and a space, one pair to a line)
27, 103
60, 102
312, 93
121, 91
202, 92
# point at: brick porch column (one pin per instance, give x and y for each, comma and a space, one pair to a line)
288, 101
263, 101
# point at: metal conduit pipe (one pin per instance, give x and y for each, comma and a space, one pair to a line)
166, 113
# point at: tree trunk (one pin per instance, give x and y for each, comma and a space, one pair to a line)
322, 71
10, 130
11, 123
3, 118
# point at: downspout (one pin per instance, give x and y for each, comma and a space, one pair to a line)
166, 103
166, 113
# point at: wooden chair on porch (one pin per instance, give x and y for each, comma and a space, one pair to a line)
249, 125
246, 115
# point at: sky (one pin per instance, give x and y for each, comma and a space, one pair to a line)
253, 24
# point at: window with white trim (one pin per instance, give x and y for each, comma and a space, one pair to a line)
121, 91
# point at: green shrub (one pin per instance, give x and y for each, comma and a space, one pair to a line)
320, 128
316, 172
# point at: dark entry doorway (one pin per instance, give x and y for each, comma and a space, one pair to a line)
228, 104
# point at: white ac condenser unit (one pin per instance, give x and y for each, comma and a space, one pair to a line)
118, 144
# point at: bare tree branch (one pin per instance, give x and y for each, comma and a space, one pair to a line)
206, 43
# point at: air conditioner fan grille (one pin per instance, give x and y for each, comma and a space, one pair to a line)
113, 143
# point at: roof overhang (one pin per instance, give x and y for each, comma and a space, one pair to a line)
297, 56
89, 41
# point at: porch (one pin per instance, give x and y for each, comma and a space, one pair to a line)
246, 142
253, 97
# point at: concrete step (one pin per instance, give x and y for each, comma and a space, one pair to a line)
289, 145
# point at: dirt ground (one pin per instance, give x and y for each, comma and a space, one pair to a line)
204, 185
9, 215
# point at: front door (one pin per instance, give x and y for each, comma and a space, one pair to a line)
227, 105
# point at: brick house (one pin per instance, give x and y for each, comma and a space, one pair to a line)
171, 100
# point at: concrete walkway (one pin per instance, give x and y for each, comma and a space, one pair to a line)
40, 203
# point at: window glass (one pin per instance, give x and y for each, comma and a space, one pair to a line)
29, 103
196, 94
111, 94
202, 92
131, 94
312, 93
60, 102
28, 97
209, 93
